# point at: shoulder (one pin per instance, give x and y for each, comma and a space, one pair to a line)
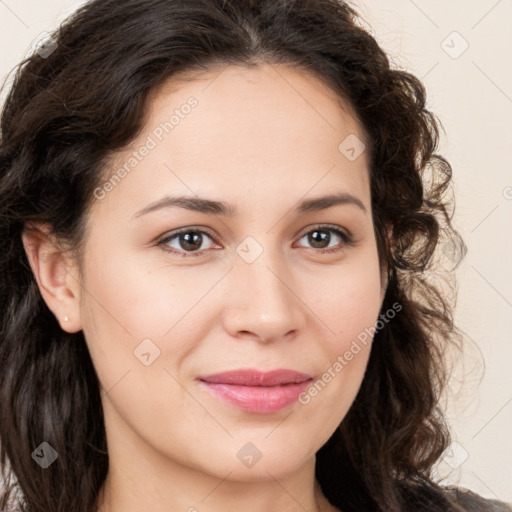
472, 502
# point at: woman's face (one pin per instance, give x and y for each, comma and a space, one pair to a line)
248, 288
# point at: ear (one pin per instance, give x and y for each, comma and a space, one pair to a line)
56, 275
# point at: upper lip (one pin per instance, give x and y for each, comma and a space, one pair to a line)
251, 377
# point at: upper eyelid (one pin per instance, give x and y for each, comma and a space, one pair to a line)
326, 227
179, 231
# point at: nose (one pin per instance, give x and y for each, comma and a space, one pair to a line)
263, 301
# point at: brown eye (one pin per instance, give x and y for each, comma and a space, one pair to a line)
185, 241
321, 236
189, 241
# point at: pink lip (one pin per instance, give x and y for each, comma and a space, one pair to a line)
255, 391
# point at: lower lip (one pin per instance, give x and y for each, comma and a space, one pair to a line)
259, 399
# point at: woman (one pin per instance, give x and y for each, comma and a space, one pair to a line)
215, 244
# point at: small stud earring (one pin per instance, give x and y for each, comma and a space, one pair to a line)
66, 319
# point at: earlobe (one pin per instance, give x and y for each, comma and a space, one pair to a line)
55, 274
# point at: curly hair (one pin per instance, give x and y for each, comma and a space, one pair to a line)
69, 110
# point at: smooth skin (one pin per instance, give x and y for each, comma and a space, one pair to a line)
261, 139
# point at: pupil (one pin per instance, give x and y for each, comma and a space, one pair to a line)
191, 241
324, 235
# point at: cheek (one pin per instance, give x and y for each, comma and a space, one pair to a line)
348, 303
126, 295
344, 355
350, 311
130, 310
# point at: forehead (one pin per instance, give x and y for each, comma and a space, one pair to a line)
245, 131
229, 95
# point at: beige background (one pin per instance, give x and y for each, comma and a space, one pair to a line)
471, 92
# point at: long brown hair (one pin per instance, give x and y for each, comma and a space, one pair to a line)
84, 96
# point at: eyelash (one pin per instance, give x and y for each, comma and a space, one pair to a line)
347, 241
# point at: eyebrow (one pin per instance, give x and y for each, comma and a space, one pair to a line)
208, 206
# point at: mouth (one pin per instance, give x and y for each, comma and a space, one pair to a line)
256, 391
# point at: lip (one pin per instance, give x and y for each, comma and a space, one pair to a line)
256, 391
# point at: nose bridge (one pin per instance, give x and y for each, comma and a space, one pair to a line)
265, 303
